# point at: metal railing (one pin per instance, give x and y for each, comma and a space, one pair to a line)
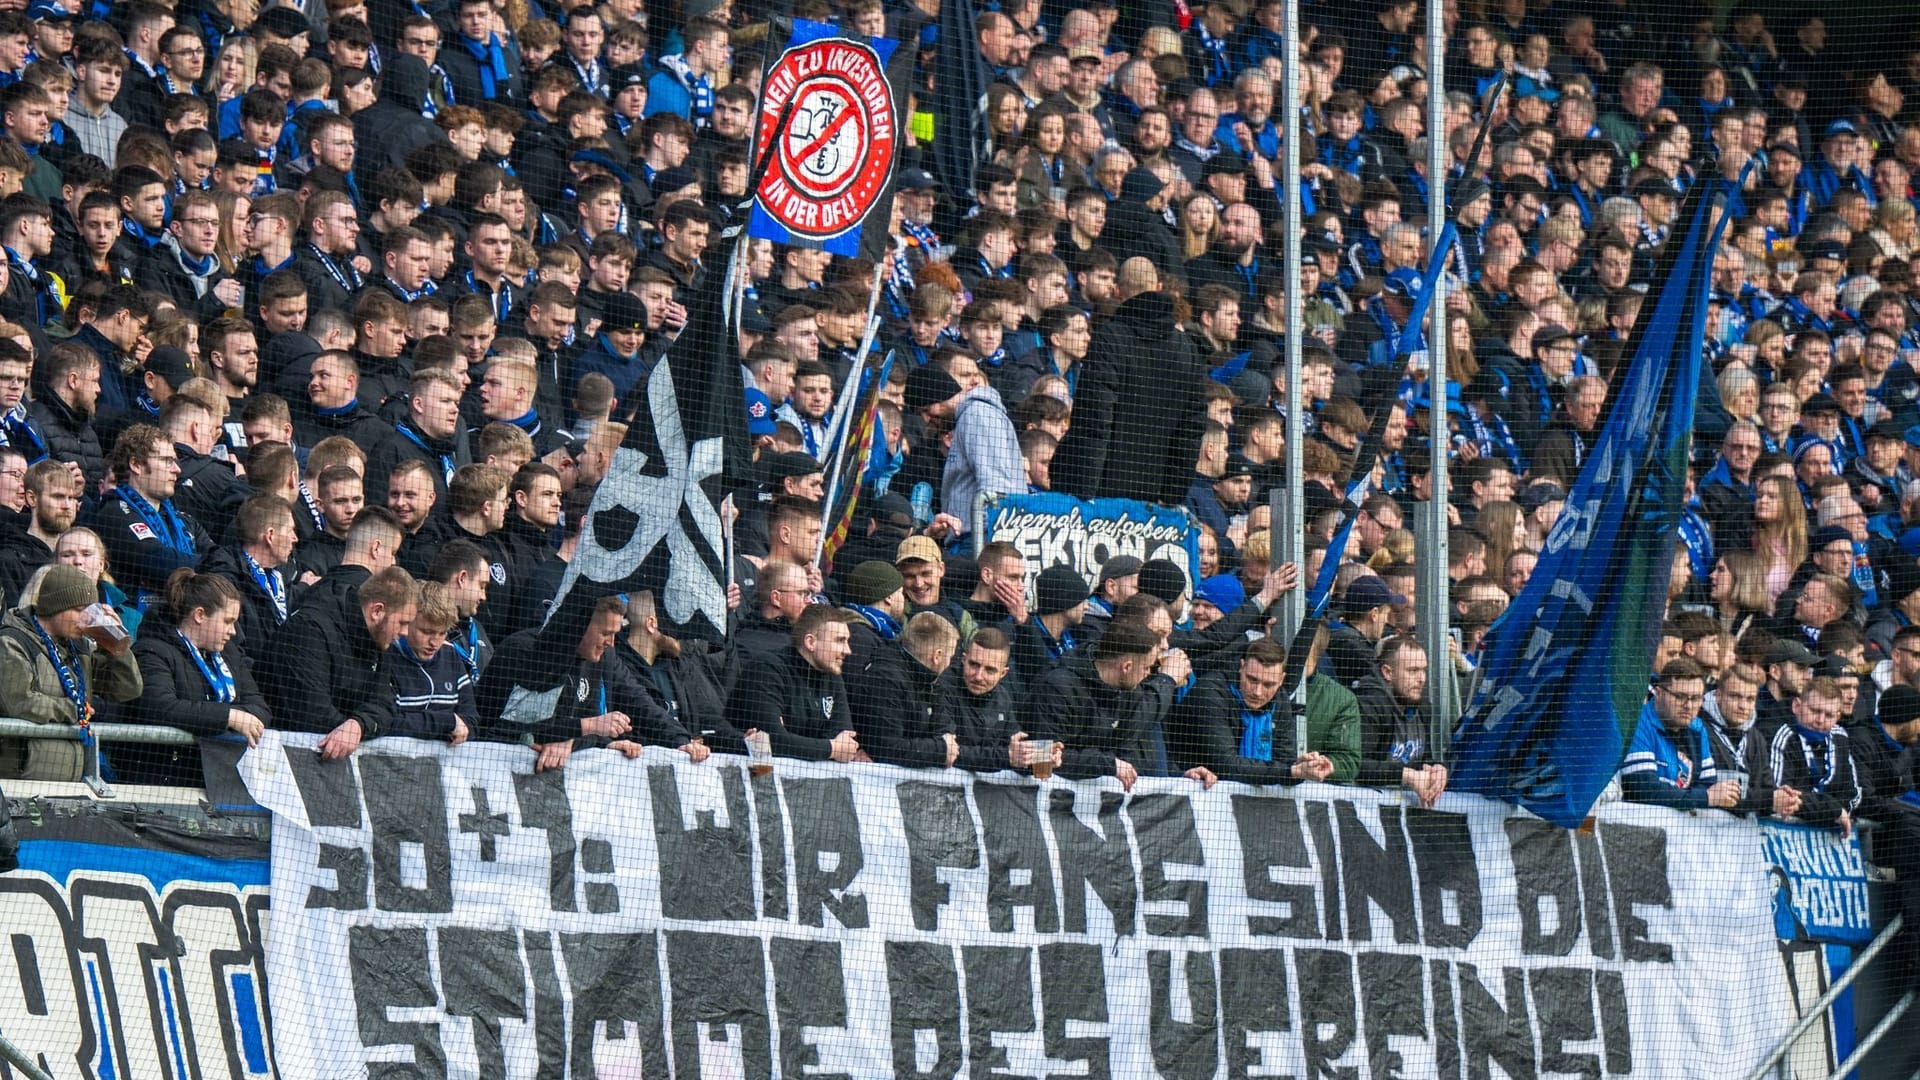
11, 728
1818, 1010
17, 1058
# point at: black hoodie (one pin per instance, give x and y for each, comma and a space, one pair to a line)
390, 129
1139, 409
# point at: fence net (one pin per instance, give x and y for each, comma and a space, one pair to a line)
932, 538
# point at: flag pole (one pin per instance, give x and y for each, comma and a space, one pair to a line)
1432, 604
844, 409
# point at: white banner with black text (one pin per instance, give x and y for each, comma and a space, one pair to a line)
453, 913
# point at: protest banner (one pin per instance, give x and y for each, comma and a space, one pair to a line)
454, 913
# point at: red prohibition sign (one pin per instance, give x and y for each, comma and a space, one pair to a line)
834, 155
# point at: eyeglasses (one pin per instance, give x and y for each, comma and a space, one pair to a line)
1745, 448
201, 223
168, 459
14, 474
1678, 696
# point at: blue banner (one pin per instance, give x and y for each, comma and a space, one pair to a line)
1820, 885
1567, 667
1051, 529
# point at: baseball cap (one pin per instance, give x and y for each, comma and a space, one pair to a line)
1086, 53
1899, 578
1832, 250
1899, 704
760, 414
282, 22
1827, 534
1538, 495
171, 364
918, 549
1887, 429
1841, 127
1549, 335
1367, 593
48, 11
1821, 402
1404, 282
1224, 164
1788, 651
1651, 188
792, 463
916, 180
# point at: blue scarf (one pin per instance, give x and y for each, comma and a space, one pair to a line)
21, 434
343, 273
883, 624
502, 298
167, 524
271, 583
1256, 729
1811, 738
140, 233
447, 465
493, 64
73, 681
470, 653
213, 667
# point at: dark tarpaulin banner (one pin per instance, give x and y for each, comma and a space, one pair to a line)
1566, 669
829, 132
960, 80
450, 912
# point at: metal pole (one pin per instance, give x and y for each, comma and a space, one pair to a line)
1434, 606
1873, 1037
1289, 529
18, 1059
1819, 1008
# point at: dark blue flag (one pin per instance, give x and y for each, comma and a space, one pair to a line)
1565, 671
960, 79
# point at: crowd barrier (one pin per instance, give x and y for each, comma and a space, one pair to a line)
452, 913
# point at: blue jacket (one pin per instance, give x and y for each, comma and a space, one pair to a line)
1665, 768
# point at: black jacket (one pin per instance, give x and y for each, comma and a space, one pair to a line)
208, 489
464, 71
1207, 729
259, 618
896, 708
1099, 723
21, 553
323, 668
984, 724
535, 569
1392, 736
356, 423
324, 288
442, 456
1826, 793
161, 270
539, 689
176, 694
70, 437
754, 637
800, 707
1138, 411
393, 127
690, 688
140, 552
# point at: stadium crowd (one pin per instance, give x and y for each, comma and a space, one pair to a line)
324, 322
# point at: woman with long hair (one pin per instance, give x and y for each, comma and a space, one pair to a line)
231, 248
191, 679
231, 73
1043, 168
82, 547
1779, 534
1738, 588
1504, 527
1199, 225
1006, 117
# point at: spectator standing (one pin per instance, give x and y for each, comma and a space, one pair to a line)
54, 671
326, 671
798, 695
191, 678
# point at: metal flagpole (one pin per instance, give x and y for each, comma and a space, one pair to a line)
1434, 608
1289, 528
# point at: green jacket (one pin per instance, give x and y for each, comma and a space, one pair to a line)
1333, 726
